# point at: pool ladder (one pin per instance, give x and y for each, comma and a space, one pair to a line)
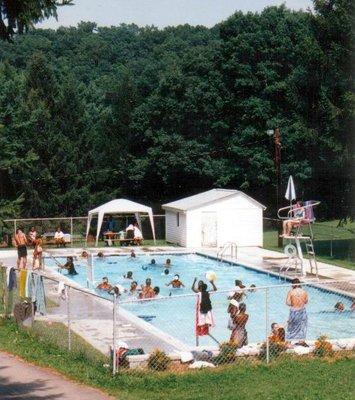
233, 250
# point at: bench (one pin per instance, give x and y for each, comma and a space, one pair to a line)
114, 237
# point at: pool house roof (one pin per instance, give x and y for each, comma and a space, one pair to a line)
205, 198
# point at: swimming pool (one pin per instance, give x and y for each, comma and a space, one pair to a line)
175, 314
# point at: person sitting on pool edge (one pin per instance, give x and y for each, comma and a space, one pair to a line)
278, 336
69, 266
138, 236
104, 285
176, 283
147, 290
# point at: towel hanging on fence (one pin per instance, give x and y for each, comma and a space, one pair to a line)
37, 293
11, 278
23, 279
29, 283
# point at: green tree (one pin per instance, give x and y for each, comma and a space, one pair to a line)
17, 16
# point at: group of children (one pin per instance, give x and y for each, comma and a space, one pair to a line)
146, 290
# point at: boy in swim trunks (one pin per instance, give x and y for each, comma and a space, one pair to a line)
147, 290
20, 241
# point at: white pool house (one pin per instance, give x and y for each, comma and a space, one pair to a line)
214, 218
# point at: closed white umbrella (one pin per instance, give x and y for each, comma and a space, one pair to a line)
290, 191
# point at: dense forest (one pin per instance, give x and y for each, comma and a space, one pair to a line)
88, 114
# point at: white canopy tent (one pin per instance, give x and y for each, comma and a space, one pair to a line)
119, 206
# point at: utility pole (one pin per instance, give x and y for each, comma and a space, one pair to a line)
276, 135
277, 145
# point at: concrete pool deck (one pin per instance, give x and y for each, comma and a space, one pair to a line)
91, 317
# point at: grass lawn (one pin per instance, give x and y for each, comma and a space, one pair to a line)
326, 234
309, 379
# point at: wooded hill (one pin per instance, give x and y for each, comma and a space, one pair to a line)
88, 114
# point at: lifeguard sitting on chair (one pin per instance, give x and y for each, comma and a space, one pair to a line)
299, 214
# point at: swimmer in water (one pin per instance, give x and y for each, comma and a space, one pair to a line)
134, 288
339, 307
69, 266
104, 285
152, 262
129, 275
252, 288
166, 271
176, 283
133, 254
100, 254
147, 290
168, 263
84, 254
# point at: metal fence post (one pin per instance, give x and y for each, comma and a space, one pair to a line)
331, 242
114, 356
71, 231
68, 315
267, 325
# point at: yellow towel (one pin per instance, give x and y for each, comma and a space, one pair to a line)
23, 278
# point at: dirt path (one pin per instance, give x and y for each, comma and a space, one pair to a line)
20, 380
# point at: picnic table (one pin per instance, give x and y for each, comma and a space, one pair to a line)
117, 237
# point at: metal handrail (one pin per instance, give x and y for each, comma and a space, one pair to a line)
292, 209
225, 247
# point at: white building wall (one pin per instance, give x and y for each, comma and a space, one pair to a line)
173, 233
238, 220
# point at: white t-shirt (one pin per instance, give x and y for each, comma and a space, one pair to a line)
59, 235
137, 233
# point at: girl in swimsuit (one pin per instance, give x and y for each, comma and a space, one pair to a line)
37, 255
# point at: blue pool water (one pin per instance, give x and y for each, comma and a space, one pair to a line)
176, 315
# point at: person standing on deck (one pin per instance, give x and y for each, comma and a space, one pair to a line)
20, 241
296, 299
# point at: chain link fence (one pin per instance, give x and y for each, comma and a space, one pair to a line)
330, 241
75, 229
138, 328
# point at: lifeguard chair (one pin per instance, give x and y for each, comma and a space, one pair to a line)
289, 213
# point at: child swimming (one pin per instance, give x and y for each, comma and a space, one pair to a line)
176, 283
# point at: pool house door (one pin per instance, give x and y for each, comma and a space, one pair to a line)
209, 229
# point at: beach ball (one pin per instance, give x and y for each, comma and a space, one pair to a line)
211, 276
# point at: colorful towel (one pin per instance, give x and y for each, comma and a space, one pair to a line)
203, 321
23, 280
297, 324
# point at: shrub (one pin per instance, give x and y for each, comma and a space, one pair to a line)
158, 361
322, 347
275, 350
227, 353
